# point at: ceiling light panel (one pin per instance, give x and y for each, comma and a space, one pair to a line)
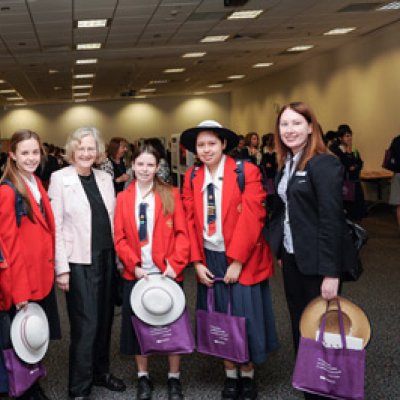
247, 14
304, 47
215, 86
214, 39
88, 46
78, 94
86, 61
82, 86
339, 31
92, 23
147, 90
194, 55
394, 5
236, 76
3, 91
263, 65
173, 70
83, 76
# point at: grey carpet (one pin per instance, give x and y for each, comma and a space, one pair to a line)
377, 292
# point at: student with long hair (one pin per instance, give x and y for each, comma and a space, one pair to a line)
307, 219
225, 224
28, 239
164, 249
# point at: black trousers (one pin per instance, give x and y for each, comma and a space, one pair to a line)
90, 304
300, 289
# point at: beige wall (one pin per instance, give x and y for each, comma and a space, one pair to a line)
130, 119
358, 84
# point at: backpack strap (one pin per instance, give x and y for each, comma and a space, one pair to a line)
20, 207
193, 174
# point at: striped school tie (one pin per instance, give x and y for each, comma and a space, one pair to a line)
143, 224
211, 214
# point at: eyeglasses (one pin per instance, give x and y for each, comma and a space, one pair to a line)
83, 150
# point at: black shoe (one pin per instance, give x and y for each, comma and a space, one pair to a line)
248, 390
36, 392
110, 382
231, 389
144, 388
174, 389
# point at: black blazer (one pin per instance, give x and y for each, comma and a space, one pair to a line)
315, 214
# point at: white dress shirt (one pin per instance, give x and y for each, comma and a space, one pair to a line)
216, 241
33, 187
290, 167
146, 256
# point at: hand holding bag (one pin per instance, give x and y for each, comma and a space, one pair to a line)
175, 338
221, 335
337, 373
21, 376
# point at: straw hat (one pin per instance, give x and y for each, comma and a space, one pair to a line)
157, 300
189, 136
30, 333
356, 322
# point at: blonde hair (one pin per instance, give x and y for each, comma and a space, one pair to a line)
11, 171
74, 140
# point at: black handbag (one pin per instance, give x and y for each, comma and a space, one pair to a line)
354, 238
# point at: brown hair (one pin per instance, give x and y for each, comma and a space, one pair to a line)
11, 171
162, 188
248, 137
113, 146
315, 144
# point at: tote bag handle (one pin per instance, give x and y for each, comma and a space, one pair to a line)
210, 298
341, 324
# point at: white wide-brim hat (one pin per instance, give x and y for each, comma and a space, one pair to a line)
30, 333
157, 300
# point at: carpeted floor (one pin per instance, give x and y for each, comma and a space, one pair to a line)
377, 292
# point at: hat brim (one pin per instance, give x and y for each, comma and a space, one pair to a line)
154, 281
30, 356
356, 321
189, 136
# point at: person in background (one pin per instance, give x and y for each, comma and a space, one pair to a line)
115, 164
219, 215
238, 152
163, 249
163, 171
269, 167
394, 198
83, 202
355, 207
251, 152
306, 223
28, 243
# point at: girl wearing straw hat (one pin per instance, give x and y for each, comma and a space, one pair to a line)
150, 237
225, 224
28, 234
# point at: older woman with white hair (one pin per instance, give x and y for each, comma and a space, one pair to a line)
83, 202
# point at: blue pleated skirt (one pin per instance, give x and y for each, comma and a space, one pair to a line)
253, 302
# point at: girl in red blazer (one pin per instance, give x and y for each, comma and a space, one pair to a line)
225, 225
167, 251
28, 243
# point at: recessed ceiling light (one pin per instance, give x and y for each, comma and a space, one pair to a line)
236, 76
53, 71
8, 91
194, 55
158, 82
147, 90
81, 86
213, 39
263, 65
83, 76
340, 31
394, 5
81, 94
216, 85
247, 14
14, 98
301, 48
88, 46
92, 23
173, 70
87, 61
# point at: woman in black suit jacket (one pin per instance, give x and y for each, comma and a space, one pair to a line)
306, 222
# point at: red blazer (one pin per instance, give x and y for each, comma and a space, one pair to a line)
170, 238
243, 216
5, 286
30, 248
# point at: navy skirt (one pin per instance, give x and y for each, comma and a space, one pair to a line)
253, 302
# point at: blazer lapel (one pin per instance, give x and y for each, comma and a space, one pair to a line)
36, 209
100, 184
229, 182
72, 180
197, 183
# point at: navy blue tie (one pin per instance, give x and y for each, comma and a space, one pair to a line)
143, 224
211, 214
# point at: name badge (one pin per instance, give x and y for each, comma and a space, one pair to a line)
301, 173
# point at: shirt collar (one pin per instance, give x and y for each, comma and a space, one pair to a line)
139, 195
217, 181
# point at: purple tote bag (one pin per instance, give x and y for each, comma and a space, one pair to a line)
175, 338
21, 376
330, 372
221, 335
